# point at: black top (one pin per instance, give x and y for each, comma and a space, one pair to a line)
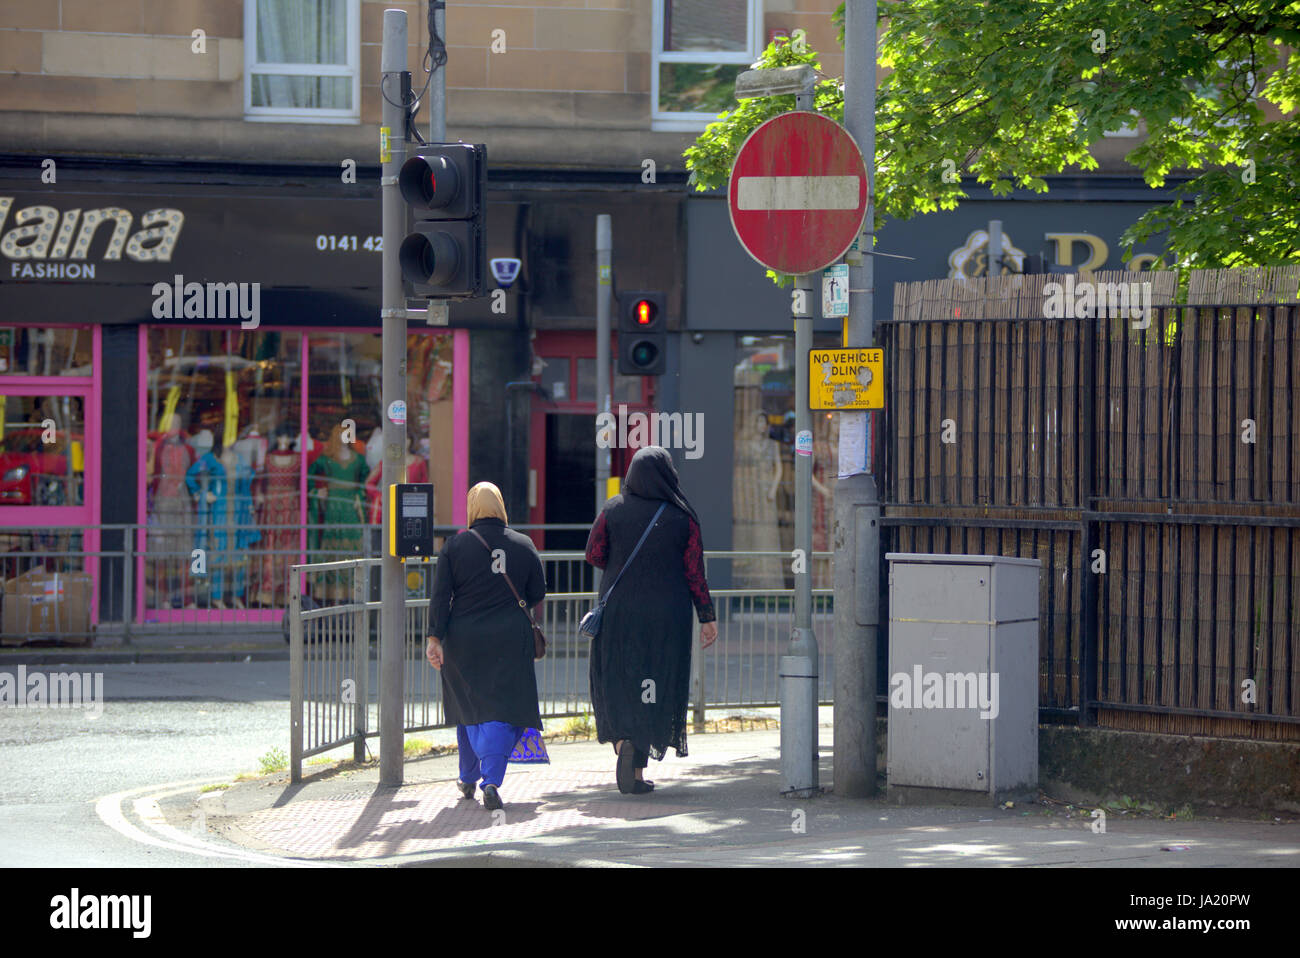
487, 640
640, 661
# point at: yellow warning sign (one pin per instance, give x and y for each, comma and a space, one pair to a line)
846, 379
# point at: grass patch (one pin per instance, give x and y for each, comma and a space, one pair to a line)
578, 727
423, 748
273, 761
214, 788
738, 723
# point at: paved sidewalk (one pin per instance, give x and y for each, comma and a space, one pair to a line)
718, 807
153, 647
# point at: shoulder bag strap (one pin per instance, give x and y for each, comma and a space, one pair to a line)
505, 575
640, 542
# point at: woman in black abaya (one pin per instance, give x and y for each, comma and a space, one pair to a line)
641, 660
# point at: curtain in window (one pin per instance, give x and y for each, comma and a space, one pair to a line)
302, 32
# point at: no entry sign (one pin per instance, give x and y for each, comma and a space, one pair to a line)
798, 193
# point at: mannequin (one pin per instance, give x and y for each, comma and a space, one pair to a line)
339, 491
206, 480
172, 513
238, 464
278, 491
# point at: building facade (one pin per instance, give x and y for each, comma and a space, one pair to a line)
169, 168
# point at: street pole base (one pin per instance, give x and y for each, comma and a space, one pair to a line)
800, 793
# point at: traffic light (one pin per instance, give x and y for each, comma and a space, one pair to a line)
445, 254
642, 334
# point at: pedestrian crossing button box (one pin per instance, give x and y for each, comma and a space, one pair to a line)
410, 519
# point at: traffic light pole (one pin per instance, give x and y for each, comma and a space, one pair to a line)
392, 617
604, 295
798, 668
857, 500
438, 83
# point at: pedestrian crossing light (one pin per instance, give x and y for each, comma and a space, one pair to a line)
444, 256
642, 334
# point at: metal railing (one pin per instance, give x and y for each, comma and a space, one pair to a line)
141, 583
333, 670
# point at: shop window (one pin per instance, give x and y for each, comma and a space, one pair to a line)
698, 49
345, 447
302, 60
26, 351
763, 487
222, 467
42, 451
229, 472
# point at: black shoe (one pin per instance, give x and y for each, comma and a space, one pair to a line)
625, 770
491, 800
466, 789
640, 788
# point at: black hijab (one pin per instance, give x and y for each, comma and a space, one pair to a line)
652, 476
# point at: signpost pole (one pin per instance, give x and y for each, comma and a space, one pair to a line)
857, 500
392, 618
604, 294
798, 672
798, 196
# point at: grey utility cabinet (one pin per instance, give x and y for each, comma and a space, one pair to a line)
963, 634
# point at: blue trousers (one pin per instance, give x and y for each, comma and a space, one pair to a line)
484, 749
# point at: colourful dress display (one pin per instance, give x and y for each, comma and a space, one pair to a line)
279, 521
340, 513
171, 520
208, 477
246, 533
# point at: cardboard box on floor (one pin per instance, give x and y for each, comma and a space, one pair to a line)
39, 604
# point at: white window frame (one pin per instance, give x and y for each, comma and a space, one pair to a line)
274, 114
693, 121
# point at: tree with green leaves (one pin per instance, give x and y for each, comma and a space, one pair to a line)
1010, 91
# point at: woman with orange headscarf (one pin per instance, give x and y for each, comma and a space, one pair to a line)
482, 642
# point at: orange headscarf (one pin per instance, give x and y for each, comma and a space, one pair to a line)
485, 502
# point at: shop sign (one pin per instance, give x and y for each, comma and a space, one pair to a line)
43, 242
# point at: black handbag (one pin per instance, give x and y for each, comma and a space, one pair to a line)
589, 627
539, 637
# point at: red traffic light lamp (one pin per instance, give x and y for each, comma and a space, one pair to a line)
642, 334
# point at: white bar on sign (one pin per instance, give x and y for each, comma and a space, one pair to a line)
797, 193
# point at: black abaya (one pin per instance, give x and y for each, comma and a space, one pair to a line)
640, 662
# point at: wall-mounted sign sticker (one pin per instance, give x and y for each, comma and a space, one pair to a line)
803, 443
505, 269
397, 412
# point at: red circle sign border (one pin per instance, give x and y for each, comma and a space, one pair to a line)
792, 265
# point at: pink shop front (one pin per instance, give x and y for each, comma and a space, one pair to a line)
179, 465
262, 450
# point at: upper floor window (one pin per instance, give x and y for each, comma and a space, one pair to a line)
699, 48
302, 60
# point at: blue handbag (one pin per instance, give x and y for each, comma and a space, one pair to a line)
589, 627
